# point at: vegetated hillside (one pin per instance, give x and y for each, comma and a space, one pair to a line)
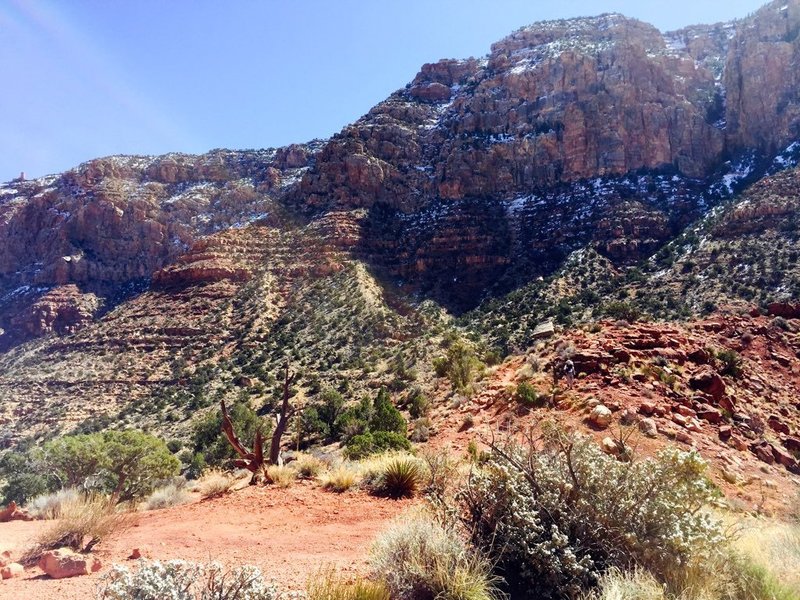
584, 168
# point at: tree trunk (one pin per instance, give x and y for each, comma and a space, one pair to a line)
283, 418
253, 460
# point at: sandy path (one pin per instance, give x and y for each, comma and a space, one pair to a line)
288, 533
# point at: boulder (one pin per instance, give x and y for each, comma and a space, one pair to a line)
763, 452
647, 407
709, 413
725, 433
544, 330
706, 379
648, 427
783, 457
610, 446
792, 444
777, 425
11, 570
63, 562
14, 513
600, 416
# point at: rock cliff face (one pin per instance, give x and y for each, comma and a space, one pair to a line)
480, 170
478, 176
105, 228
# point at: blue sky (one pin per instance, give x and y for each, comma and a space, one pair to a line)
89, 78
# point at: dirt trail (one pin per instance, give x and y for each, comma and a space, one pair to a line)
288, 533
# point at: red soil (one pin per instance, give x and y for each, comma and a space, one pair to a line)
288, 533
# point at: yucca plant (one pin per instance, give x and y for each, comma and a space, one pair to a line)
402, 477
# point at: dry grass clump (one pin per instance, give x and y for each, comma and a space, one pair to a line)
421, 558
340, 478
627, 585
280, 476
49, 506
308, 466
215, 482
328, 585
166, 496
83, 522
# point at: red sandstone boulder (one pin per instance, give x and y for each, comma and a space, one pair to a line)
14, 513
63, 562
707, 380
11, 570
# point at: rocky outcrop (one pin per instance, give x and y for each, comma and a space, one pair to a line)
762, 80
98, 233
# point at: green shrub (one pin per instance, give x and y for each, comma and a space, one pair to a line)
731, 362
181, 580
420, 558
418, 405
25, 476
621, 310
527, 395
385, 417
555, 520
461, 366
361, 446
126, 464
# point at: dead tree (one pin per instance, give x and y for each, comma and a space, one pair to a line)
252, 460
286, 413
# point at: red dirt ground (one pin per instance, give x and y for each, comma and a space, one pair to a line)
288, 533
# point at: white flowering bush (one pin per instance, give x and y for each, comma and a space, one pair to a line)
556, 518
182, 580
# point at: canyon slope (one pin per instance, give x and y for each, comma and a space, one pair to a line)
583, 170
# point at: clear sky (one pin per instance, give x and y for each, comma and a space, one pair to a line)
87, 78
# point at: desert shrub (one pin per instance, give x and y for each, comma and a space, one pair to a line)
418, 404
49, 506
422, 430
324, 416
527, 395
83, 522
327, 585
731, 362
460, 365
442, 477
24, 476
385, 417
556, 518
279, 475
308, 466
399, 476
361, 446
339, 479
355, 419
181, 580
215, 482
166, 496
420, 558
621, 310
